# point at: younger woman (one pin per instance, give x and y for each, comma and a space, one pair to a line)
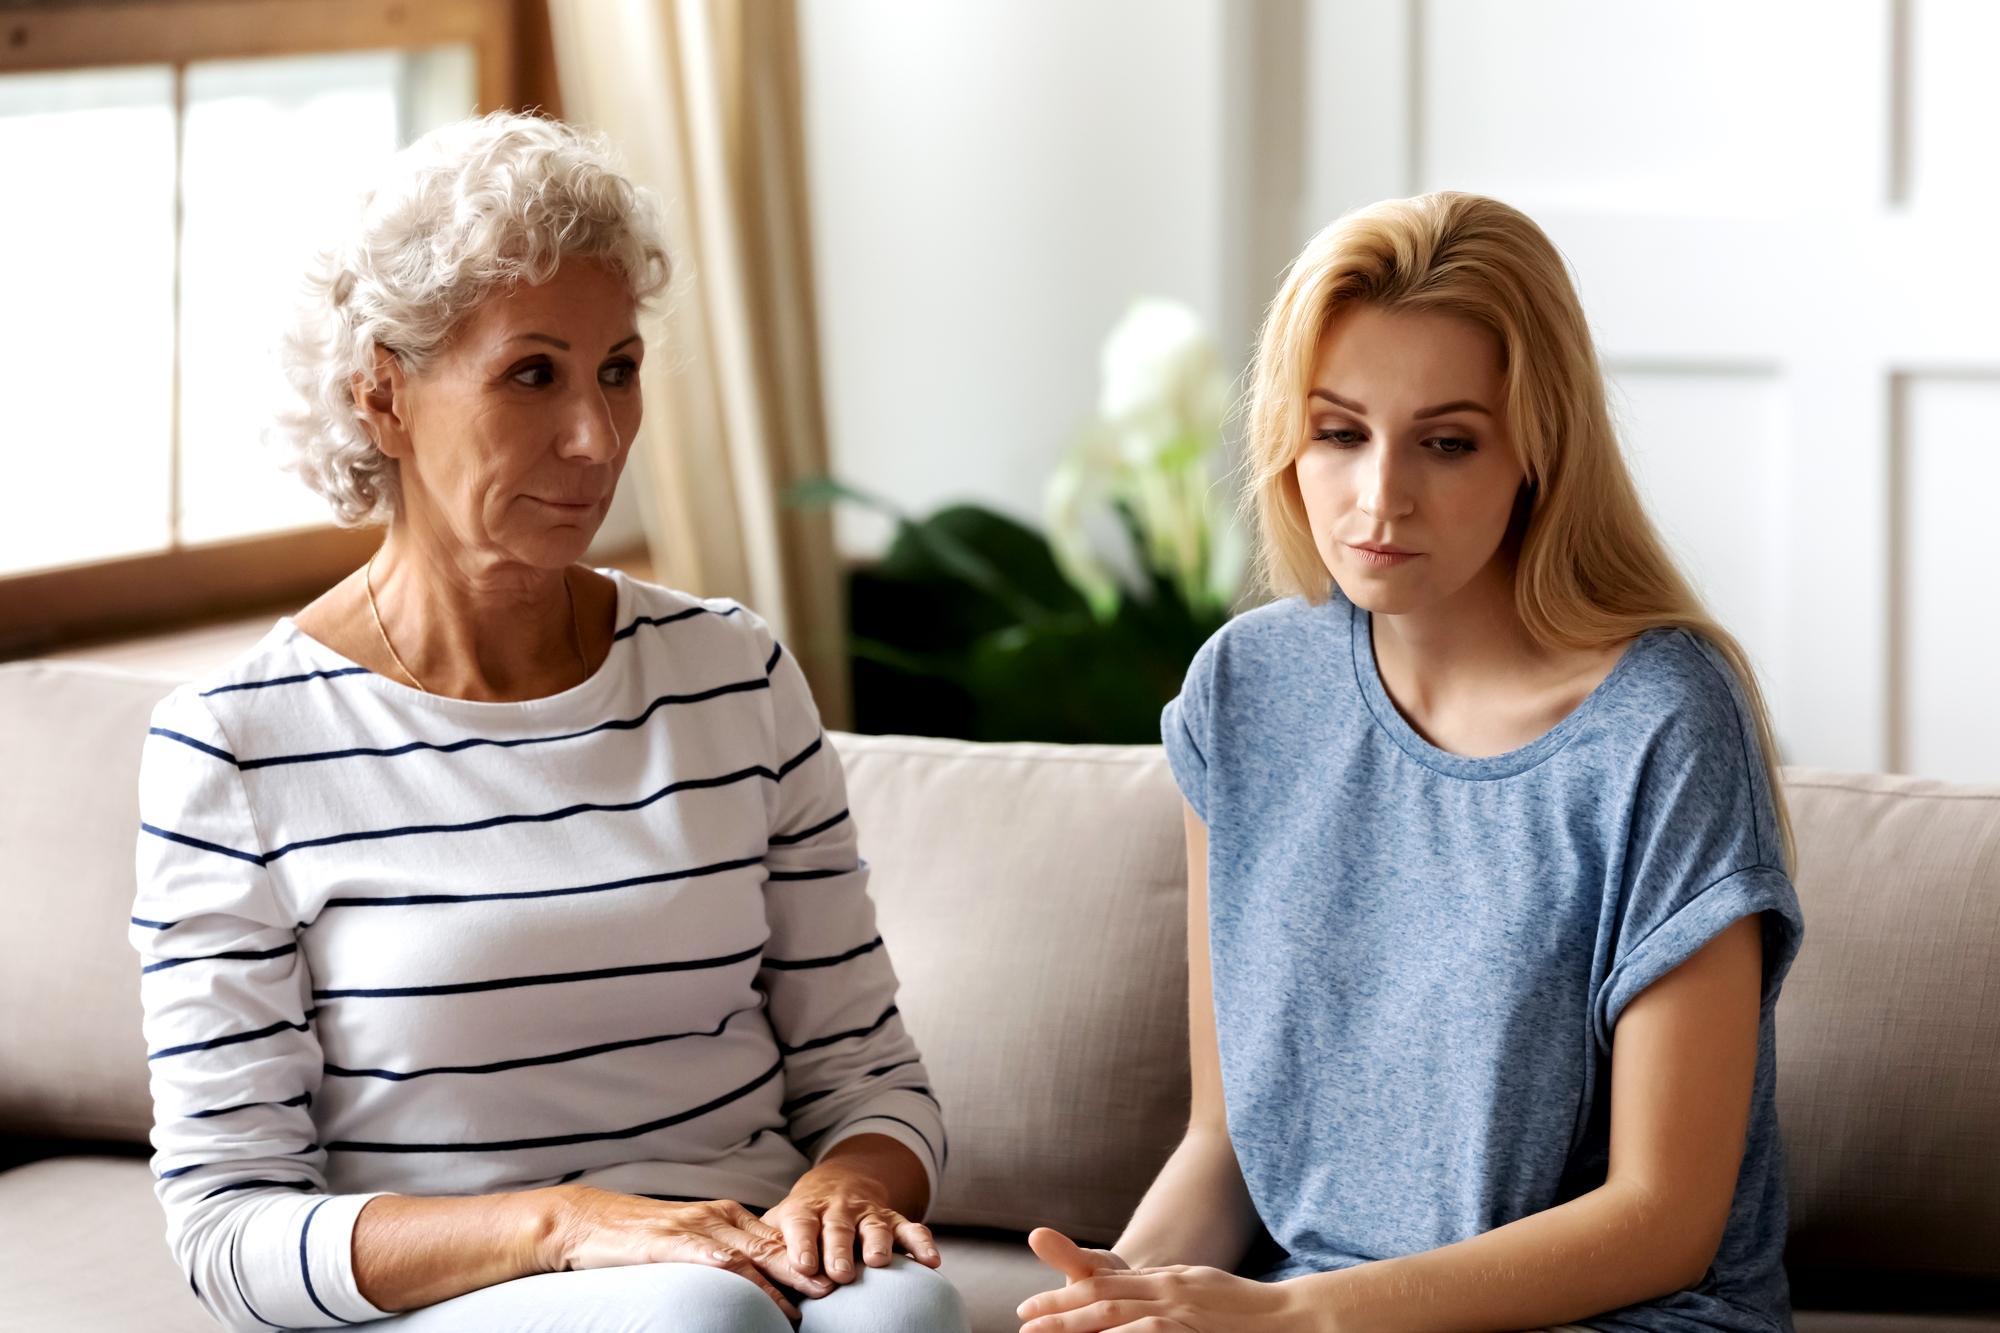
1488, 905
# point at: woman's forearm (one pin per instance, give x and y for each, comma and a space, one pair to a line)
411, 1252
1610, 1248
1198, 1210
887, 1163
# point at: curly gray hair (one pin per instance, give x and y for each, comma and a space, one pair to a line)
465, 211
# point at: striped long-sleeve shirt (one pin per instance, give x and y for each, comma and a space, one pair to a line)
394, 942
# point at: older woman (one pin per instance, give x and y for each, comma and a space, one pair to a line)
506, 946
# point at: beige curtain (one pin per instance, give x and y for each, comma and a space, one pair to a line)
702, 97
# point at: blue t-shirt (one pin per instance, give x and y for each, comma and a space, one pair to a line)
1419, 958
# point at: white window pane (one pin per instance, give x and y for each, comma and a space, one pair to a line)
86, 279
274, 155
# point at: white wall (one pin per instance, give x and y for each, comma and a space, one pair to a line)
993, 181
1778, 212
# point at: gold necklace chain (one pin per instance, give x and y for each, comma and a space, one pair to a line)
375, 614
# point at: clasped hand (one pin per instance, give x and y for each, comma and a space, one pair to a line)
1104, 1293
830, 1208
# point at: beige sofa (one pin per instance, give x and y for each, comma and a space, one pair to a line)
1032, 895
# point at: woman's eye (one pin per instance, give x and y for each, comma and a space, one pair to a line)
1344, 436
1451, 446
533, 377
618, 374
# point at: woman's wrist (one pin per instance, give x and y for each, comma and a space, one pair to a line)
1318, 1303
543, 1230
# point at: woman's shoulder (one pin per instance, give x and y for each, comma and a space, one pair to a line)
660, 621
1675, 682
1277, 637
266, 671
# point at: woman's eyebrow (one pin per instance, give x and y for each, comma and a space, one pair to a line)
623, 342
1338, 401
543, 338
1462, 405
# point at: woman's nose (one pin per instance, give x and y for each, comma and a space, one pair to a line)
1382, 493
593, 433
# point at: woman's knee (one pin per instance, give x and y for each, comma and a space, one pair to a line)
643, 1298
691, 1298
905, 1297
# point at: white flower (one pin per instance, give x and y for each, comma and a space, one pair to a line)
1162, 380
1151, 454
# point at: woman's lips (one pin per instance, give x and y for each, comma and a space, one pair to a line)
1372, 556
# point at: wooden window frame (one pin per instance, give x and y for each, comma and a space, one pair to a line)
185, 584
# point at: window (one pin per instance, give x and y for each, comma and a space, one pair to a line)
172, 166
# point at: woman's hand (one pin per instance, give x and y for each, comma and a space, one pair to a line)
852, 1194
1104, 1293
595, 1228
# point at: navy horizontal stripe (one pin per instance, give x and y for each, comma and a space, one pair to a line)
565, 1140
305, 1264
831, 960
802, 755
829, 1040
234, 1038
231, 1251
568, 811
260, 1184
236, 955
633, 628
797, 1103
476, 742
431, 899
184, 739
303, 1099
546, 979
154, 925
787, 839
528, 1061
183, 1170
199, 845
777, 651
288, 680
571, 1176
783, 875
935, 1161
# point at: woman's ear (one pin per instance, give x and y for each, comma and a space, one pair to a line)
381, 401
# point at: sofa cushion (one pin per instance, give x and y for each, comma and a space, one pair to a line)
1034, 900
1889, 1027
72, 1061
1855, 1321
83, 1248
994, 1274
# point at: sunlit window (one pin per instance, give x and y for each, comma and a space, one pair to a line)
158, 221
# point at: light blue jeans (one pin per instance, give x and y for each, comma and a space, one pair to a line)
905, 1297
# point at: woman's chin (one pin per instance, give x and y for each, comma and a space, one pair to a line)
1384, 592
552, 548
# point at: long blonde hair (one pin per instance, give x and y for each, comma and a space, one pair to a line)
1593, 571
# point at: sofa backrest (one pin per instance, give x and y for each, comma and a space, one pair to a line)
1033, 900
1889, 1027
72, 1061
